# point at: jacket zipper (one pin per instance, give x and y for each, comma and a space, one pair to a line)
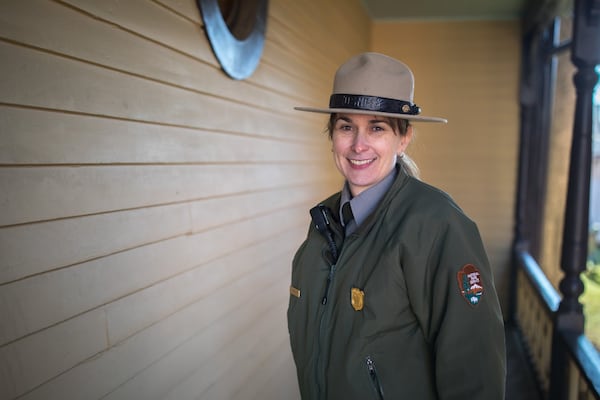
319, 370
374, 378
328, 283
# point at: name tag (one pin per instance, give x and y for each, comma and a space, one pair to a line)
295, 292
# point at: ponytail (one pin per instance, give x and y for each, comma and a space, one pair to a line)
409, 166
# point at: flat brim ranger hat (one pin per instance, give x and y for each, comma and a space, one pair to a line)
374, 84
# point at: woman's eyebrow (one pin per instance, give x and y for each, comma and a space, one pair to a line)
376, 121
344, 118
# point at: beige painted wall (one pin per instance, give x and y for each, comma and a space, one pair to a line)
468, 72
150, 205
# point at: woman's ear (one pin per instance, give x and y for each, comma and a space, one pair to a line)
405, 140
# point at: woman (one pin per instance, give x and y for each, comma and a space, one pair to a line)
392, 295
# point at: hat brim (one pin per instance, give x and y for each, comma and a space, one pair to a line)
420, 118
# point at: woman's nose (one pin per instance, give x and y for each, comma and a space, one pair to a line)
360, 142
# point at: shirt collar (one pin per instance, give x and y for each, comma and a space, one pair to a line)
366, 202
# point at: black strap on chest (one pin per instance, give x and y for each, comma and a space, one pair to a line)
321, 216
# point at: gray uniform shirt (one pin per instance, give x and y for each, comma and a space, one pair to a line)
366, 202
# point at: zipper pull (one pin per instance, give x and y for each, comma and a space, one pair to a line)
374, 377
371, 367
328, 283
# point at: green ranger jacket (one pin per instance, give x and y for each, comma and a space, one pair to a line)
407, 311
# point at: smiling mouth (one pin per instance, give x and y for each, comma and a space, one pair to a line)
361, 162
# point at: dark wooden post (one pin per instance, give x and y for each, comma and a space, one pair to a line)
585, 55
569, 319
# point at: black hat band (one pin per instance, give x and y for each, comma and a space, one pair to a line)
373, 103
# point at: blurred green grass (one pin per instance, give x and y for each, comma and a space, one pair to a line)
591, 309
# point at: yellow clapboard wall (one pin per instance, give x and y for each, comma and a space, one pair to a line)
150, 205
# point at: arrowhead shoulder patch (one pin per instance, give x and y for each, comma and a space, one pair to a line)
470, 284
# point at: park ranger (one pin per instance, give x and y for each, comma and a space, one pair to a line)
392, 295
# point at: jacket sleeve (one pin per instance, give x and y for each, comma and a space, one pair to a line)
453, 296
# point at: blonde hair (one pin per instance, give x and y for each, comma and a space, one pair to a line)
400, 126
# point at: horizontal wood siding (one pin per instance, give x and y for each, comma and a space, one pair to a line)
150, 205
467, 72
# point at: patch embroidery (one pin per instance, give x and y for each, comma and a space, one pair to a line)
357, 299
470, 284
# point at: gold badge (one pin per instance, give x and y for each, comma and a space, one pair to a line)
357, 299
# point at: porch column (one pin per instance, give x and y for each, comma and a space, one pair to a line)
585, 55
569, 319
